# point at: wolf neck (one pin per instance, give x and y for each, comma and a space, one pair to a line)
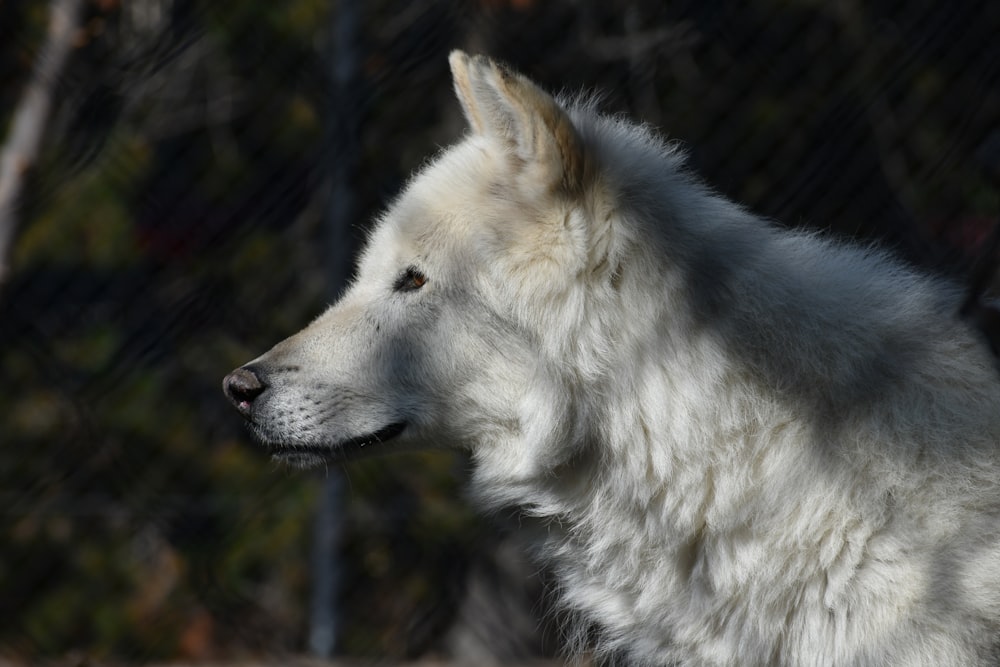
633, 521
654, 453
662, 463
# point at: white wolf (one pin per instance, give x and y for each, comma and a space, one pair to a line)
747, 446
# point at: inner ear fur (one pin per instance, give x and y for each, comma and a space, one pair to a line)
508, 107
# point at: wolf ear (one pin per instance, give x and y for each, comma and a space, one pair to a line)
509, 108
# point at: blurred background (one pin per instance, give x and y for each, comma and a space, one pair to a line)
184, 182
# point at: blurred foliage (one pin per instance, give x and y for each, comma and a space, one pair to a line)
175, 230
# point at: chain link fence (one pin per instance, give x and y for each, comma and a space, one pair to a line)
184, 183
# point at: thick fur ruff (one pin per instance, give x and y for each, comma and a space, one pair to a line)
744, 445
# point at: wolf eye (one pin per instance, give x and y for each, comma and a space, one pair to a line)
410, 280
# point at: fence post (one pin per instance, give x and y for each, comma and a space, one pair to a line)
343, 113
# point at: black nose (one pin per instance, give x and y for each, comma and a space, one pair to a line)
241, 387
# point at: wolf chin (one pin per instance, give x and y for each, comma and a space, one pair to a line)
745, 445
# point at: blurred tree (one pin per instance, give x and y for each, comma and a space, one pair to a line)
24, 141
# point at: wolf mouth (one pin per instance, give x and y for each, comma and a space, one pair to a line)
338, 450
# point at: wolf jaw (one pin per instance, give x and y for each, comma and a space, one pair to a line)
308, 456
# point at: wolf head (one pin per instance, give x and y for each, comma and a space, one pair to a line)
466, 322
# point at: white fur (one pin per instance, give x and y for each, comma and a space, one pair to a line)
745, 445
